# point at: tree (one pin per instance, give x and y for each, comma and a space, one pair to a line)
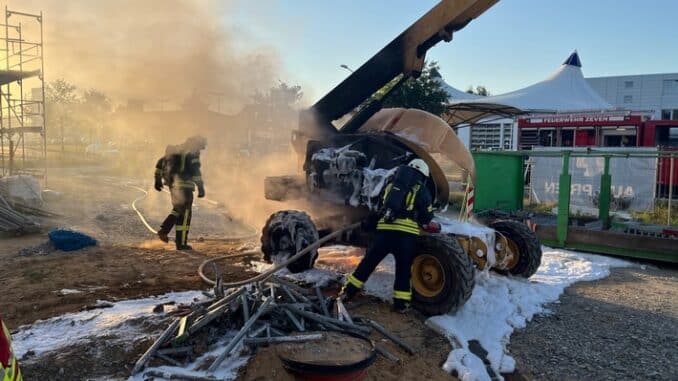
95, 111
479, 90
278, 104
281, 95
424, 93
60, 97
96, 101
61, 92
272, 114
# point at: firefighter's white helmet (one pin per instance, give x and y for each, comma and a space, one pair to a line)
420, 166
196, 143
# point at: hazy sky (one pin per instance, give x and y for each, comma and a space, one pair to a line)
515, 43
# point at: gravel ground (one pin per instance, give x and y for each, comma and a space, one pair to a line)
45, 248
623, 327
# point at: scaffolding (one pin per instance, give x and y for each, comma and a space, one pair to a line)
22, 94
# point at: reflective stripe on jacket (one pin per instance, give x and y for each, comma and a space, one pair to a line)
406, 225
183, 184
418, 207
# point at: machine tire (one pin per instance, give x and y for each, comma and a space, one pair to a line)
286, 232
456, 268
528, 246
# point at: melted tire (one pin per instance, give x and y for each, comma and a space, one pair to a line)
458, 271
528, 244
284, 233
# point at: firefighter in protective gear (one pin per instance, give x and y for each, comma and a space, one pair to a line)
9, 367
396, 234
179, 169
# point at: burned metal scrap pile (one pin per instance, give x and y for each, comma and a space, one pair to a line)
263, 313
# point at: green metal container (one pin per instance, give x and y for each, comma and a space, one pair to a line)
499, 181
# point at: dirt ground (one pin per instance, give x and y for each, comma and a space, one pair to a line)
129, 263
104, 273
430, 348
117, 272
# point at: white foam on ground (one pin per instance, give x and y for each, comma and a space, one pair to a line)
87, 326
67, 291
113, 323
499, 305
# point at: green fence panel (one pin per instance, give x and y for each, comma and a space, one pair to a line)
564, 186
499, 181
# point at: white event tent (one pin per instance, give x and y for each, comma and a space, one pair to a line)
564, 91
455, 94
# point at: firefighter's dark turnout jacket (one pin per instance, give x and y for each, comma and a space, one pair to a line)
397, 237
181, 172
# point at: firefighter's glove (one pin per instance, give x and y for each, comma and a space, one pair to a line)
201, 192
432, 227
158, 184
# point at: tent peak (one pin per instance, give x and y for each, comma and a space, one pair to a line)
573, 60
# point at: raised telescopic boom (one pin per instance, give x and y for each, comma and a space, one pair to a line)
403, 56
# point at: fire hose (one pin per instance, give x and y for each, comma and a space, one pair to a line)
150, 228
268, 273
134, 207
258, 278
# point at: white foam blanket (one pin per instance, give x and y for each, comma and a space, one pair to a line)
116, 323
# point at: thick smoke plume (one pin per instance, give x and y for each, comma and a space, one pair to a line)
168, 50
151, 49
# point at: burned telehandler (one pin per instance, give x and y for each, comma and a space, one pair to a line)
345, 169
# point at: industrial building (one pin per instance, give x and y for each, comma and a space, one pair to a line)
655, 93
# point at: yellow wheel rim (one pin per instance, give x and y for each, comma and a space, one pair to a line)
428, 277
513, 249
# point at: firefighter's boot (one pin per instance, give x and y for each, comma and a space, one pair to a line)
162, 235
182, 240
401, 306
167, 226
349, 291
351, 288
